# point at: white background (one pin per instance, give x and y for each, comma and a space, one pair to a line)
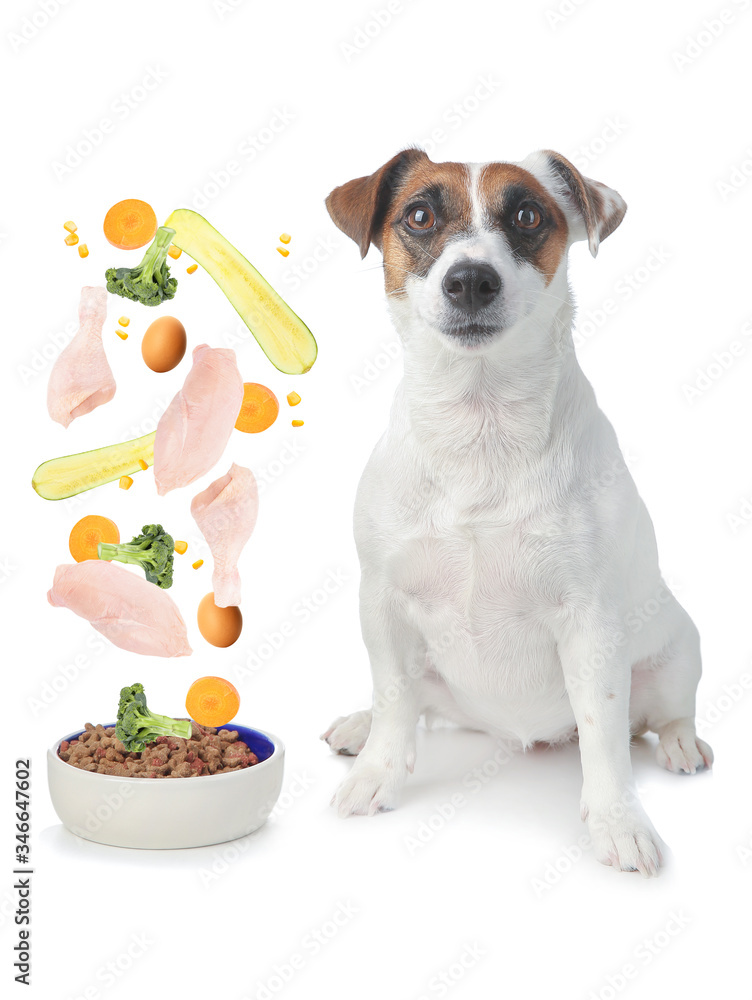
603, 85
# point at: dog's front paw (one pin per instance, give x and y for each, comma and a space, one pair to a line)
624, 838
368, 788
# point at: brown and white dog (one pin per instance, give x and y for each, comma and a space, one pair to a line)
504, 548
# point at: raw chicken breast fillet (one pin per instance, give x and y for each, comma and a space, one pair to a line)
195, 428
81, 378
131, 612
226, 513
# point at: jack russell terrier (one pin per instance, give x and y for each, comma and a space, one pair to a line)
502, 541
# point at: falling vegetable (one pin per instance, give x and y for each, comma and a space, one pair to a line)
282, 335
87, 533
181, 547
64, 477
130, 224
212, 701
149, 283
152, 550
258, 410
136, 725
125, 482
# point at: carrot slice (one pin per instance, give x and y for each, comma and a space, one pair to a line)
258, 410
130, 224
87, 533
212, 701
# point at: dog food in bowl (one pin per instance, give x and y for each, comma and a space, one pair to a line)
207, 751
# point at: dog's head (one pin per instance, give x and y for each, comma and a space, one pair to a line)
470, 249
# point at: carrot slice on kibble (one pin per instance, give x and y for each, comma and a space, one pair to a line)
258, 410
87, 533
212, 701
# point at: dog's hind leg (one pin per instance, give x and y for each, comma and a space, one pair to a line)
348, 734
663, 700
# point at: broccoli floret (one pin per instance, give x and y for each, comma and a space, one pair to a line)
136, 725
153, 550
150, 282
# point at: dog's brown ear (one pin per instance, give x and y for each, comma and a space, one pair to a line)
599, 208
358, 208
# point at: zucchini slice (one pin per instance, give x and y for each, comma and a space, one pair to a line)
281, 334
65, 477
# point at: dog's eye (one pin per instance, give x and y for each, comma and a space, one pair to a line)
420, 218
527, 217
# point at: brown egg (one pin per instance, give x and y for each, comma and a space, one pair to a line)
219, 626
164, 344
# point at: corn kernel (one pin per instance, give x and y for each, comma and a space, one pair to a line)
198, 564
71, 239
83, 250
285, 253
70, 226
124, 321
293, 398
297, 423
285, 238
191, 269
125, 482
143, 464
181, 548
122, 334
174, 252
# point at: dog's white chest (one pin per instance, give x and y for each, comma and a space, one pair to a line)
476, 597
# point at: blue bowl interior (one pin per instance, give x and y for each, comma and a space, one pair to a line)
255, 741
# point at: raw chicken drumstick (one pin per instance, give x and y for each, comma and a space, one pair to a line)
195, 428
81, 378
226, 514
129, 611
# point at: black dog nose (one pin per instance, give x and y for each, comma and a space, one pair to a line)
471, 285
